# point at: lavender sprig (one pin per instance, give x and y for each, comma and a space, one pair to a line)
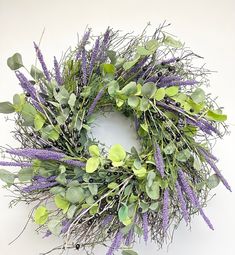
216, 170
94, 54
159, 161
145, 226
165, 210
182, 202
178, 83
42, 62
58, 76
84, 67
115, 244
21, 164
97, 98
84, 41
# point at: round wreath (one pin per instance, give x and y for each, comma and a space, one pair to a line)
90, 195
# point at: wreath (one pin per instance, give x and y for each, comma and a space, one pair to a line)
88, 194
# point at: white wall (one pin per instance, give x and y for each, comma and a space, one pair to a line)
207, 26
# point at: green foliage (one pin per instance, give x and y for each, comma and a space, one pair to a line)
36, 73
170, 41
198, 96
55, 226
129, 89
117, 155
39, 121
92, 164
123, 215
216, 115
129, 252
148, 89
7, 176
94, 151
160, 94
15, 62
62, 203
25, 174
172, 91
153, 190
41, 215
75, 195
213, 181
6, 107
28, 113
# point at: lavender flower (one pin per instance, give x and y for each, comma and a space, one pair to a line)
104, 45
159, 161
193, 198
200, 125
164, 80
178, 83
116, 243
107, 220
145, 226
58, 77
21, 164
207, 153
65, 226
45, 155
94, 54
48, 233
216, 170
165, 210
137, 67
97, 98
84, 67
182, 202
42, 62
129, 237
39, 186
83, 43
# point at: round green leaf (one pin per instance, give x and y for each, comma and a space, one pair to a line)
41, 215
75, 195
92, 164
94, 151
198, 96
148, 89
172, 91
7, 176
213, 181
153, 190
55, 226
25, 174
6, 107
160, 94
15, 62
62, 203
133, 101
117, 153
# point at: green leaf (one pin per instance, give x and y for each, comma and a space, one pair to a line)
129, 64
93, 188
6, 107
25, 174
150, 178
142, 51
41, 215
153, 190
15, 62
148, 89
112, 56
170, 41
198, 96
141, 173
123, 215
62, 203
197, 164
55, 226
75, 195
144, 126
133, 101
152, 45
39, 121
169, 149
213, 181
7, 176
71, 211
129, 89
113, 87
36, 73
18, 101
61, 178
160, 94
113, 185
92, 164
144, 104
117, 154
172, 91
72, 100
57, 190
216, 116
28, 113
108, 68
154, 206
183, 155
129, 252
94, 151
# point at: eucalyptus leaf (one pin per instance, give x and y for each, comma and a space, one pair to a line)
183, 155
169, 149
216, 116
113, 87
160, 94
198, 96
75, 195
62, 203
39, 121
170, 41
133, 101
25, 174
55, 226
92, 164
6, 107
117, 154
129, 89
172, 91
15, 62
94, 151
148, 89
153, 190
7, 176
213, 181
41, 215
36, 73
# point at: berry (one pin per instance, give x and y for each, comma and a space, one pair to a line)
116, 197
109, 231
27, 94
177, 139
106, 166
109, 174
178, 104
185, 146
119, 181
95, 197
54, 122
46, 104
96, 216
91, 180
167, 100
191, 110
30, 134
171, 68
79, 144
110, 198
159, 74
63, 106
115, 173
57, 89
71, 114
140, 209
142, 196
77, 246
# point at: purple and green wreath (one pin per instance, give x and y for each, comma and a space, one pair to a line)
89, 194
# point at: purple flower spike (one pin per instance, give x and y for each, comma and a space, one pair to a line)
182, 202
42, 62
179, 83
83, 43
58, 77
169, 61
84, 67
116, 243
216, 170
145, 226
205, 218
94, 55
21, 164
107, 220
159, 161
94, 103
165, 210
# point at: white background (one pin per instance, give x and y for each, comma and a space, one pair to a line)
207, 26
